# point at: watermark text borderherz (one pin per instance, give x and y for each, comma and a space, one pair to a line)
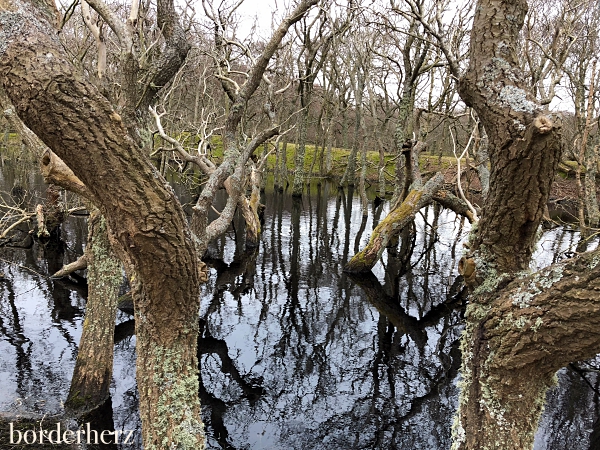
84, 435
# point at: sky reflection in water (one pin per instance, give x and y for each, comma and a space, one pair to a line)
293, 353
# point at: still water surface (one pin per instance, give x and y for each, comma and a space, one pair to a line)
293, 353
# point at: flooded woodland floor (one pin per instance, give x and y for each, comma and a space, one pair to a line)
293, 353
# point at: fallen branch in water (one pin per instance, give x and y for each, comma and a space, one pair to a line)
391, 226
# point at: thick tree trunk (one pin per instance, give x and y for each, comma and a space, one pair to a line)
591, 199
515, 341
524, 142
392, 225
146, 219
93, 369
516, 336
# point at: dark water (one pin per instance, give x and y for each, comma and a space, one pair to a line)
293, 353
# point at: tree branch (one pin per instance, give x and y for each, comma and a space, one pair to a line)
68, 269
115, 24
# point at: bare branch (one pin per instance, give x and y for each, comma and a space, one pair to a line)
458, 170
98, 36
200, 162
115, 24
80, 264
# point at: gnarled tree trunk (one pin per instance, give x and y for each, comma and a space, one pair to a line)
146, 219
519, 329
524, 142
515, 341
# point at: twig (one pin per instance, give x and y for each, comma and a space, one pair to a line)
458, 158
23, 267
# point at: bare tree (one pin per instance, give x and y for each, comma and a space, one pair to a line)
316, 35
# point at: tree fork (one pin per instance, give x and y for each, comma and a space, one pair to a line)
507, 349
515, 333
524, 141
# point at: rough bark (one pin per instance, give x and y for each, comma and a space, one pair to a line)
93, 369
146, 220
392, 225
591, 199
524, 141
516, 339
53, 169
517, 335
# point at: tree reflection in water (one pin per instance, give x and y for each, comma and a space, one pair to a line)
293, 353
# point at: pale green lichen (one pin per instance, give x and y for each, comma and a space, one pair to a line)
538, 323
595, 261
106, 268
521, 322
489, 400
477, 311
459, 435
491, 282
522, 299
176, 402
11, 24
464, 384
486, 270
519, 125
536, 285
516, 99
554, 276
